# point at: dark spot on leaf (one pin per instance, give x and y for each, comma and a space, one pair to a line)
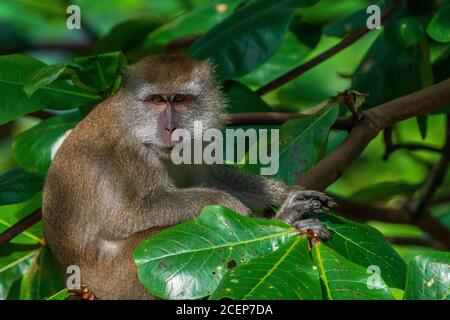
162, 264
231, 264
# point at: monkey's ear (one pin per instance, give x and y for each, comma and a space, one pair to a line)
210, 67
125, 75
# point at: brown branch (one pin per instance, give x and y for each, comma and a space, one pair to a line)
19, 227
278, 82
276, 118
371, 123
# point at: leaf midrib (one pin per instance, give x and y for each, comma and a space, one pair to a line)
274, 267
74, 93
218, 247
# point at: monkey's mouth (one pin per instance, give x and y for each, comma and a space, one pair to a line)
166, 149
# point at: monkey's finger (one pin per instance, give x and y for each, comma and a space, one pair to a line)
319, 229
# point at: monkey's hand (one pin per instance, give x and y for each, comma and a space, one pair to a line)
298, 208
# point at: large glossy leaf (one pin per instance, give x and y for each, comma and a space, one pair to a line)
290, 53
287, 273
42, 278
247, 38
126, 35
350, 22
345, 280
366, 246
189, 260
429, 277
33, 148
405, 69
14, 69
18, 186
302, 142
439, 27
192, 23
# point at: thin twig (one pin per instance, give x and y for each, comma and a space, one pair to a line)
278, 82
276, 118
20, 226
392, 147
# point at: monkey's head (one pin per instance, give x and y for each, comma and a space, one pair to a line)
165, 93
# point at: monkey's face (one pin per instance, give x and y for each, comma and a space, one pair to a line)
166, 93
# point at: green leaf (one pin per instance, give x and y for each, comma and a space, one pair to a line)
287, 273
243, 99
14, 260
290, 53
404, 31
429, 277
345, 280
188, 261
33, 148
19, 185
366, 246
101, 71
42, 278
14, 69
126, 35
349, 23
306, 33
44, 76
439, 27
192, 23
302, 142
247, 38
385, 64
60, 295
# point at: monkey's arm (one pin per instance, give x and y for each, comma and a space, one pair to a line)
296, 205
254, 191
164, 208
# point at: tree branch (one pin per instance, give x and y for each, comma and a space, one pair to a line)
371, 123
278, 82
19, 227
276, 118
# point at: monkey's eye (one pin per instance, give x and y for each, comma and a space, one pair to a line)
156, 98
179, 98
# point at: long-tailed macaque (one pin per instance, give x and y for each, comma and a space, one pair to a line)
112, 182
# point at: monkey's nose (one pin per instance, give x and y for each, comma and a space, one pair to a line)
170, 130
